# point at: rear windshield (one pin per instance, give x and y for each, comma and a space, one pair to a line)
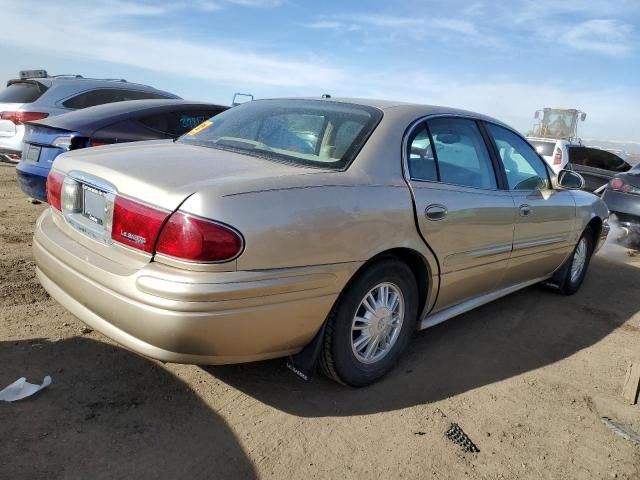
315, 133
543, 148
22, 92
100, 96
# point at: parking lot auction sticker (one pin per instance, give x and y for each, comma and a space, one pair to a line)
200, 127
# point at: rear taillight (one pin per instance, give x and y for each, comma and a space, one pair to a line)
54, 189
620, 185
557, 157
64, 142
98, 143
198, 240
20, 117
616, 184
135, 224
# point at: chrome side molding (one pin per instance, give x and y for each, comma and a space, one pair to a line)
460, 308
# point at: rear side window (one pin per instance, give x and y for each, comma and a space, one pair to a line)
461, 153
22, 92
107, 95
177, 123
596, 158
615, 163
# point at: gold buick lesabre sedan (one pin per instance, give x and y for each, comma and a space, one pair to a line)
322, 230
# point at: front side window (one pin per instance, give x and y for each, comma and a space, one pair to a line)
461, 153
107, 95
524, 168
306, 132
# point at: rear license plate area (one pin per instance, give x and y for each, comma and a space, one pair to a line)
33, 153
93, 204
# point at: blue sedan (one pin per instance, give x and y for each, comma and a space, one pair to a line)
127, 121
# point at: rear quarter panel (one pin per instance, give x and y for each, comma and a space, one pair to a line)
314, 225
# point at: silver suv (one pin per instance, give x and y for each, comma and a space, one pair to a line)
36, 95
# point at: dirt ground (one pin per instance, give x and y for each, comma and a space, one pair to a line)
527, 377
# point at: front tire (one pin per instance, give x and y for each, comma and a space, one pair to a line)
575, 268
371, 324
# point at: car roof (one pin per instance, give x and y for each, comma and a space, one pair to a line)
60, 88
83, 81
92, 118
409, 109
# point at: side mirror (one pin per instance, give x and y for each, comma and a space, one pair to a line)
583, 116
570, 180
537, 114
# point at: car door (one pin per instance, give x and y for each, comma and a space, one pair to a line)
463, 215
545, 223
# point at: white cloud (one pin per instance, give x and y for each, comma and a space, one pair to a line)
257, 3
609, 37
385, 28
552, 23
326, 25
96, 34
474, 9
103, 33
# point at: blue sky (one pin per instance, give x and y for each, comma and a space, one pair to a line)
505, 59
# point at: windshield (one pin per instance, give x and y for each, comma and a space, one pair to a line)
316, 133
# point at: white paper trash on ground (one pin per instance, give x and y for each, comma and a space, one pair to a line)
22, 389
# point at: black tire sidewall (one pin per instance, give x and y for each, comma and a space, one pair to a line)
571, 287
349, 369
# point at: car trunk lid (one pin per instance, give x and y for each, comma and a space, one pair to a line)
39, 143
157, 176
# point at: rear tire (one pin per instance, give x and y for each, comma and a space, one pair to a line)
572, 273
371, 324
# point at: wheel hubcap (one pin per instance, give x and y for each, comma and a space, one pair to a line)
579, 260
377, 323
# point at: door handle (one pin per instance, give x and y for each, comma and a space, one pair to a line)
525, 210
435, 212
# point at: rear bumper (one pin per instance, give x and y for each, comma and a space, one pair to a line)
187, 317
625, 206
12, 143
32, 178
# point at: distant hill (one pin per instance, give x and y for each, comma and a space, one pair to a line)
629, 147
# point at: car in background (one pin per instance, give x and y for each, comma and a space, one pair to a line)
622, 196
553, 151
37, 95
597, 166
327, 228
119, 122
